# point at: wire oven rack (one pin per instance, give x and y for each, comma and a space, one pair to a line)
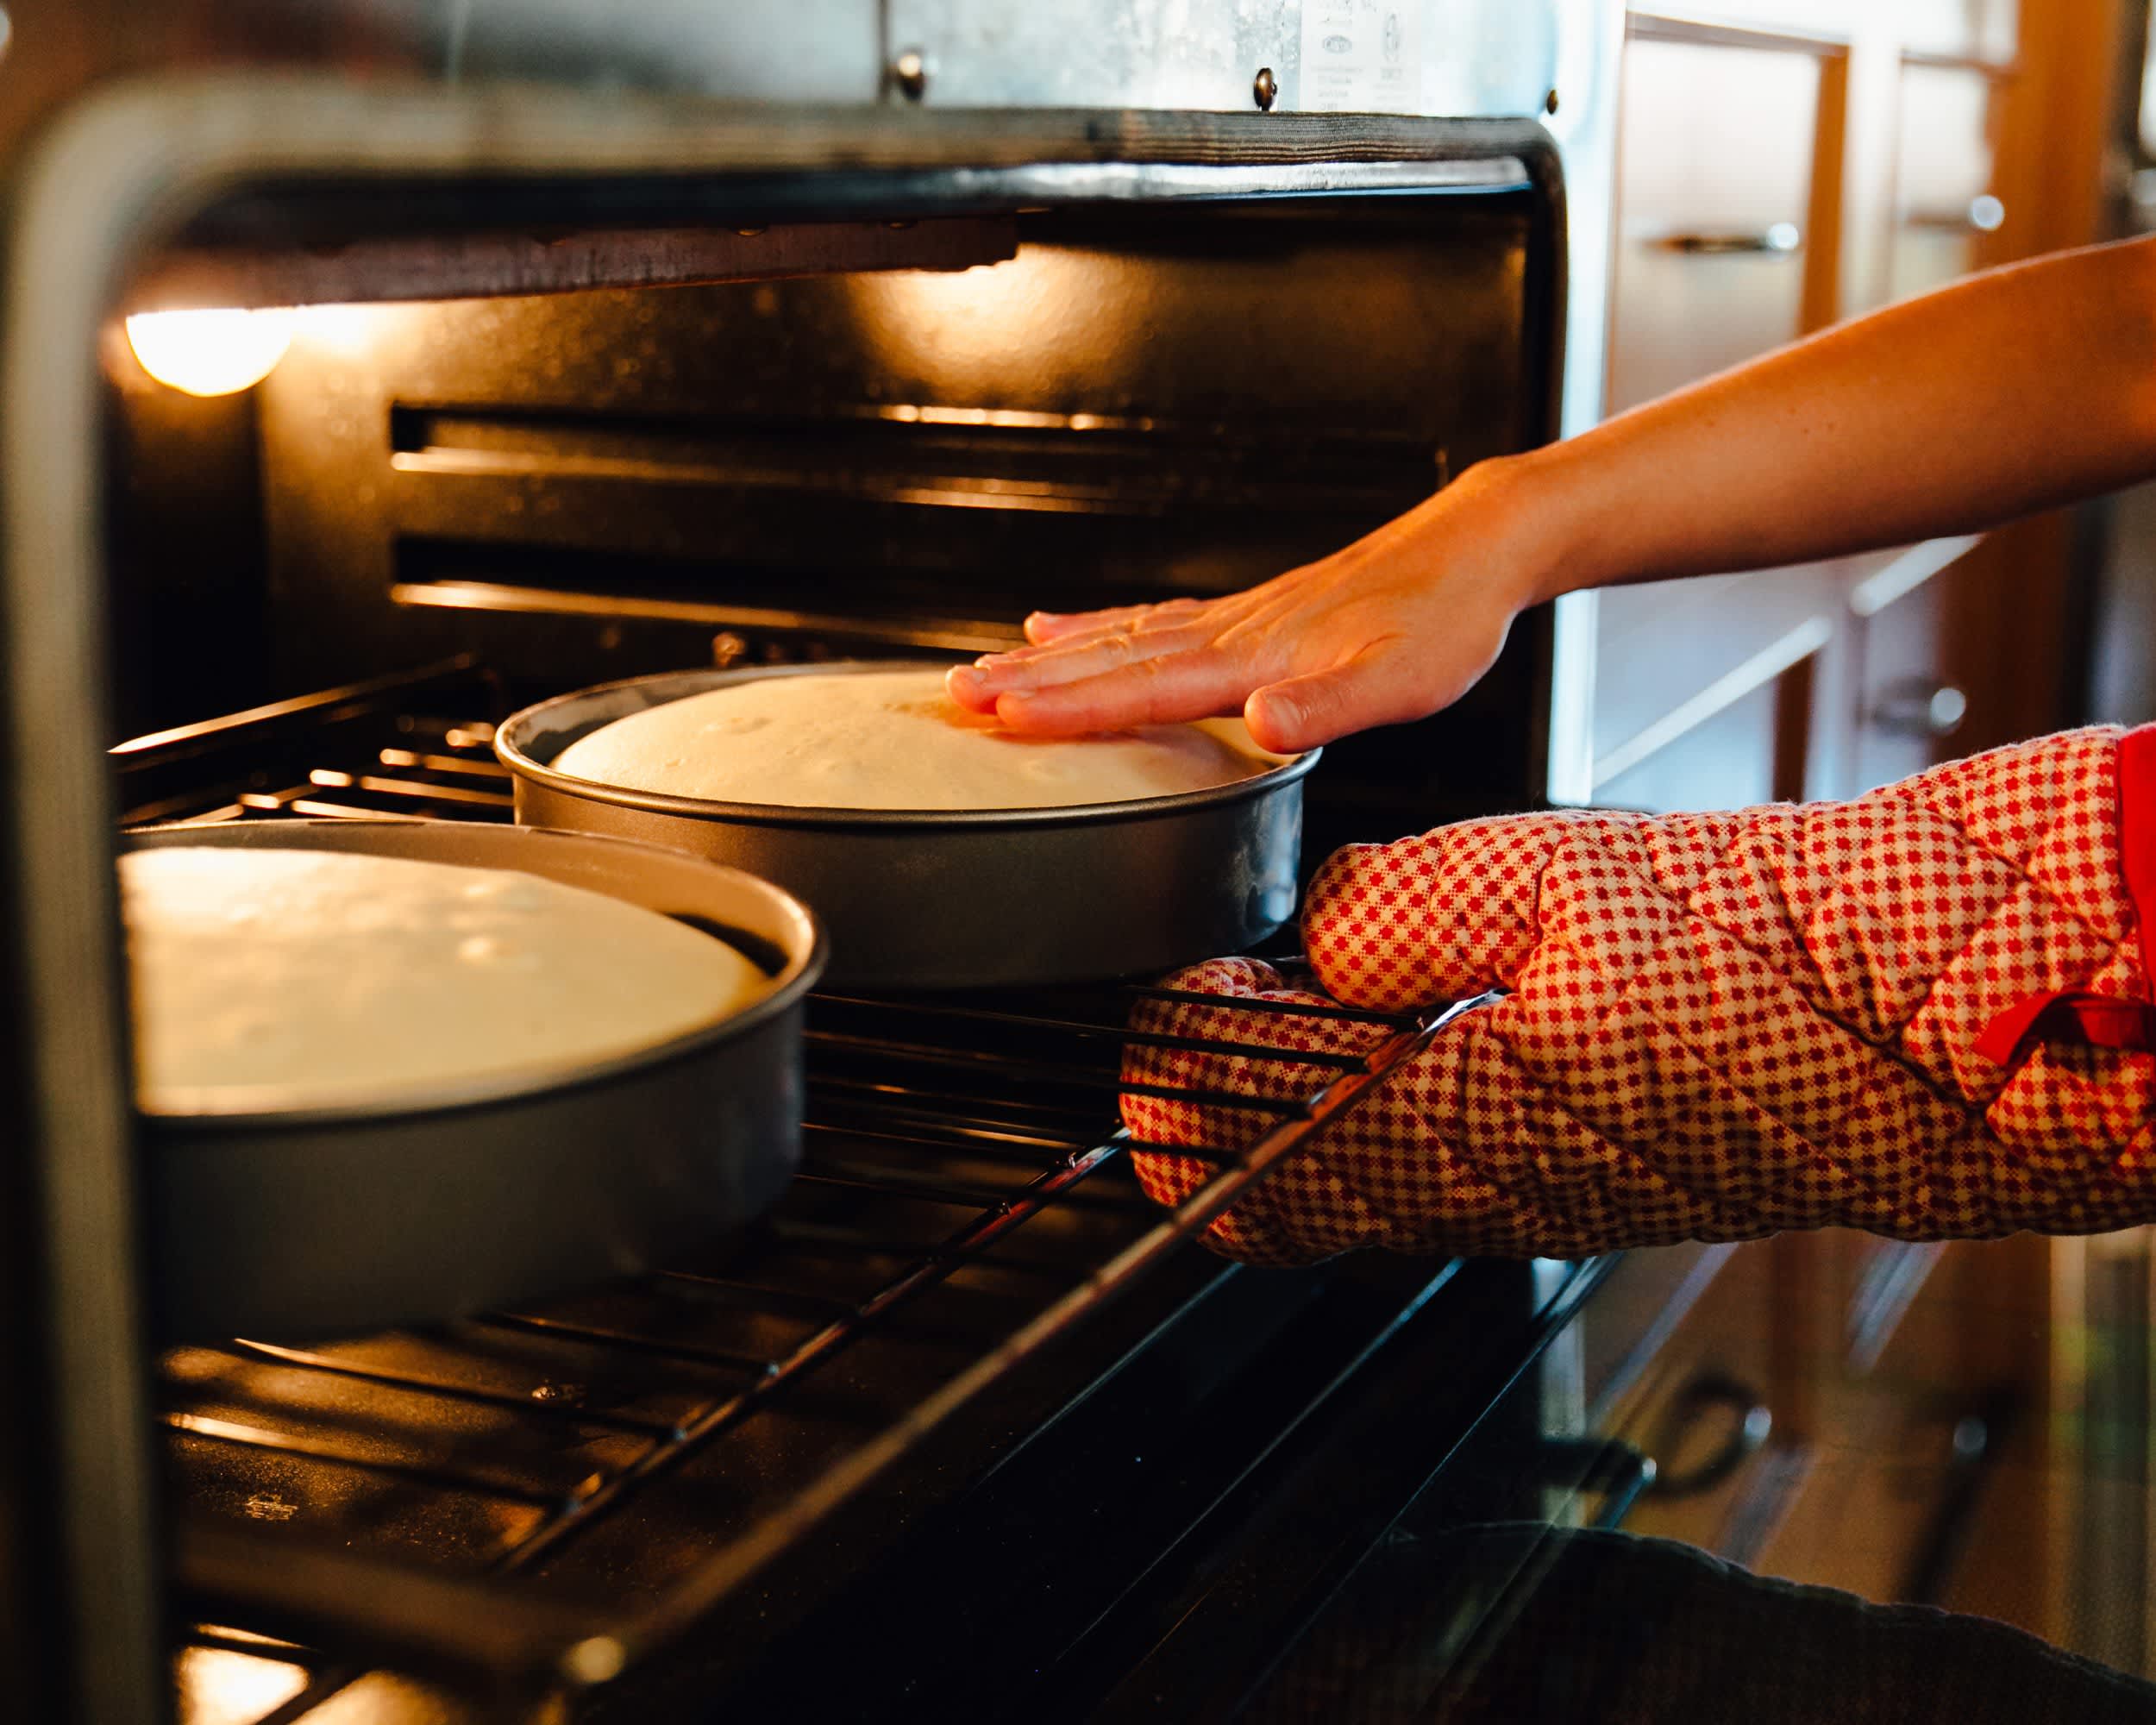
962, 1156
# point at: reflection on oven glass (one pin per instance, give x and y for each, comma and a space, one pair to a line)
218, 1686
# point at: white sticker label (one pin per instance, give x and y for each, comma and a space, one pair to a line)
1362, 56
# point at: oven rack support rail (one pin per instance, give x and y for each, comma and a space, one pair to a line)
365, 753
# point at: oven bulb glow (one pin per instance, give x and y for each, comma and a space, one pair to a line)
209, 353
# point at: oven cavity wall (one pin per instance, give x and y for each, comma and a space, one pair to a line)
1150, 396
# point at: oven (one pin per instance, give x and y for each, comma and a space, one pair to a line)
680, 344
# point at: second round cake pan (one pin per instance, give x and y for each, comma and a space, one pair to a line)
296, 1222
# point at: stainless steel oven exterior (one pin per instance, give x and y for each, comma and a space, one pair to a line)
1470, 57
123, 121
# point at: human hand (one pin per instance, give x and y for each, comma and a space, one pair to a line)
1394, 627
1718, 1025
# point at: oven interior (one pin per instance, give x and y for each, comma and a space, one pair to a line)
1141, 401
960, 1405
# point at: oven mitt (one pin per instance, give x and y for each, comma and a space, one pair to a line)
1923, 1013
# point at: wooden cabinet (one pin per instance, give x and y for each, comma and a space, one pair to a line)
1731, 160
1908, 708
1769, 182
1712, 263
1945, 204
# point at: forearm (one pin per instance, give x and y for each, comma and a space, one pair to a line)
2005, 394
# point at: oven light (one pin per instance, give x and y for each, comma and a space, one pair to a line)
209, 353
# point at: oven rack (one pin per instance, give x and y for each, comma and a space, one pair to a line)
954, 1147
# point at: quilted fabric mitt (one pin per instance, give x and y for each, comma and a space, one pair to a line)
1923, 1013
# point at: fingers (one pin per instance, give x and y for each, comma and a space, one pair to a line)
1086, 652
1168, 690
981, 684
1065, 650
1434, 919
962, 684
1044, 626
1450, 1156
1049, 628
1375, 686
1174, 1099
1067, 662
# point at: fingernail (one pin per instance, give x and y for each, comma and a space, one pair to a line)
1275, 714
1000, 673
963, 681
1044, 615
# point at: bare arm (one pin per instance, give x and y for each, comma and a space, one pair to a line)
2005, 394
1998, 397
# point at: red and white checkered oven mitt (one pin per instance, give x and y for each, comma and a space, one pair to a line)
1925, 1013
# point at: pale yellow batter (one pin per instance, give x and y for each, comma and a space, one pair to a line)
295, 979
892, 740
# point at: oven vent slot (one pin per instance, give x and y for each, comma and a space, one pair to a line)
939, 457
844, 611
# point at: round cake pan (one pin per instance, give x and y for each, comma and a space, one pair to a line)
300, 1222
935, 899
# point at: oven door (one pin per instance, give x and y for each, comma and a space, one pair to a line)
1379, 1565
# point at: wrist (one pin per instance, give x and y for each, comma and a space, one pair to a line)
1528, 510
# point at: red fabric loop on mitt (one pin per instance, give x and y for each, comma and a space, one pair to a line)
2098, 1020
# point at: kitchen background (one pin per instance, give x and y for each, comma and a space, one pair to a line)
1969, 1425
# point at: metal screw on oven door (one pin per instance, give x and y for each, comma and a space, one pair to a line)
1265, 90
909, 74
727, 650
1550, 103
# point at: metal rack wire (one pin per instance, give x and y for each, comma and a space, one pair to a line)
960, 1149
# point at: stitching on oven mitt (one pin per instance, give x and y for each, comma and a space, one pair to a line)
1720, 1026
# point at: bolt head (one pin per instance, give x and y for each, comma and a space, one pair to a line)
909, 74
1265, 89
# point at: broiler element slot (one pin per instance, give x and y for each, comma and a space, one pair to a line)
483, 266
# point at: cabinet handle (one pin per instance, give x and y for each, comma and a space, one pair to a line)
1621, 1474
1782, 240
1985, 215
1753, 1424
1917, 706
1610, 1467
1978, 1436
